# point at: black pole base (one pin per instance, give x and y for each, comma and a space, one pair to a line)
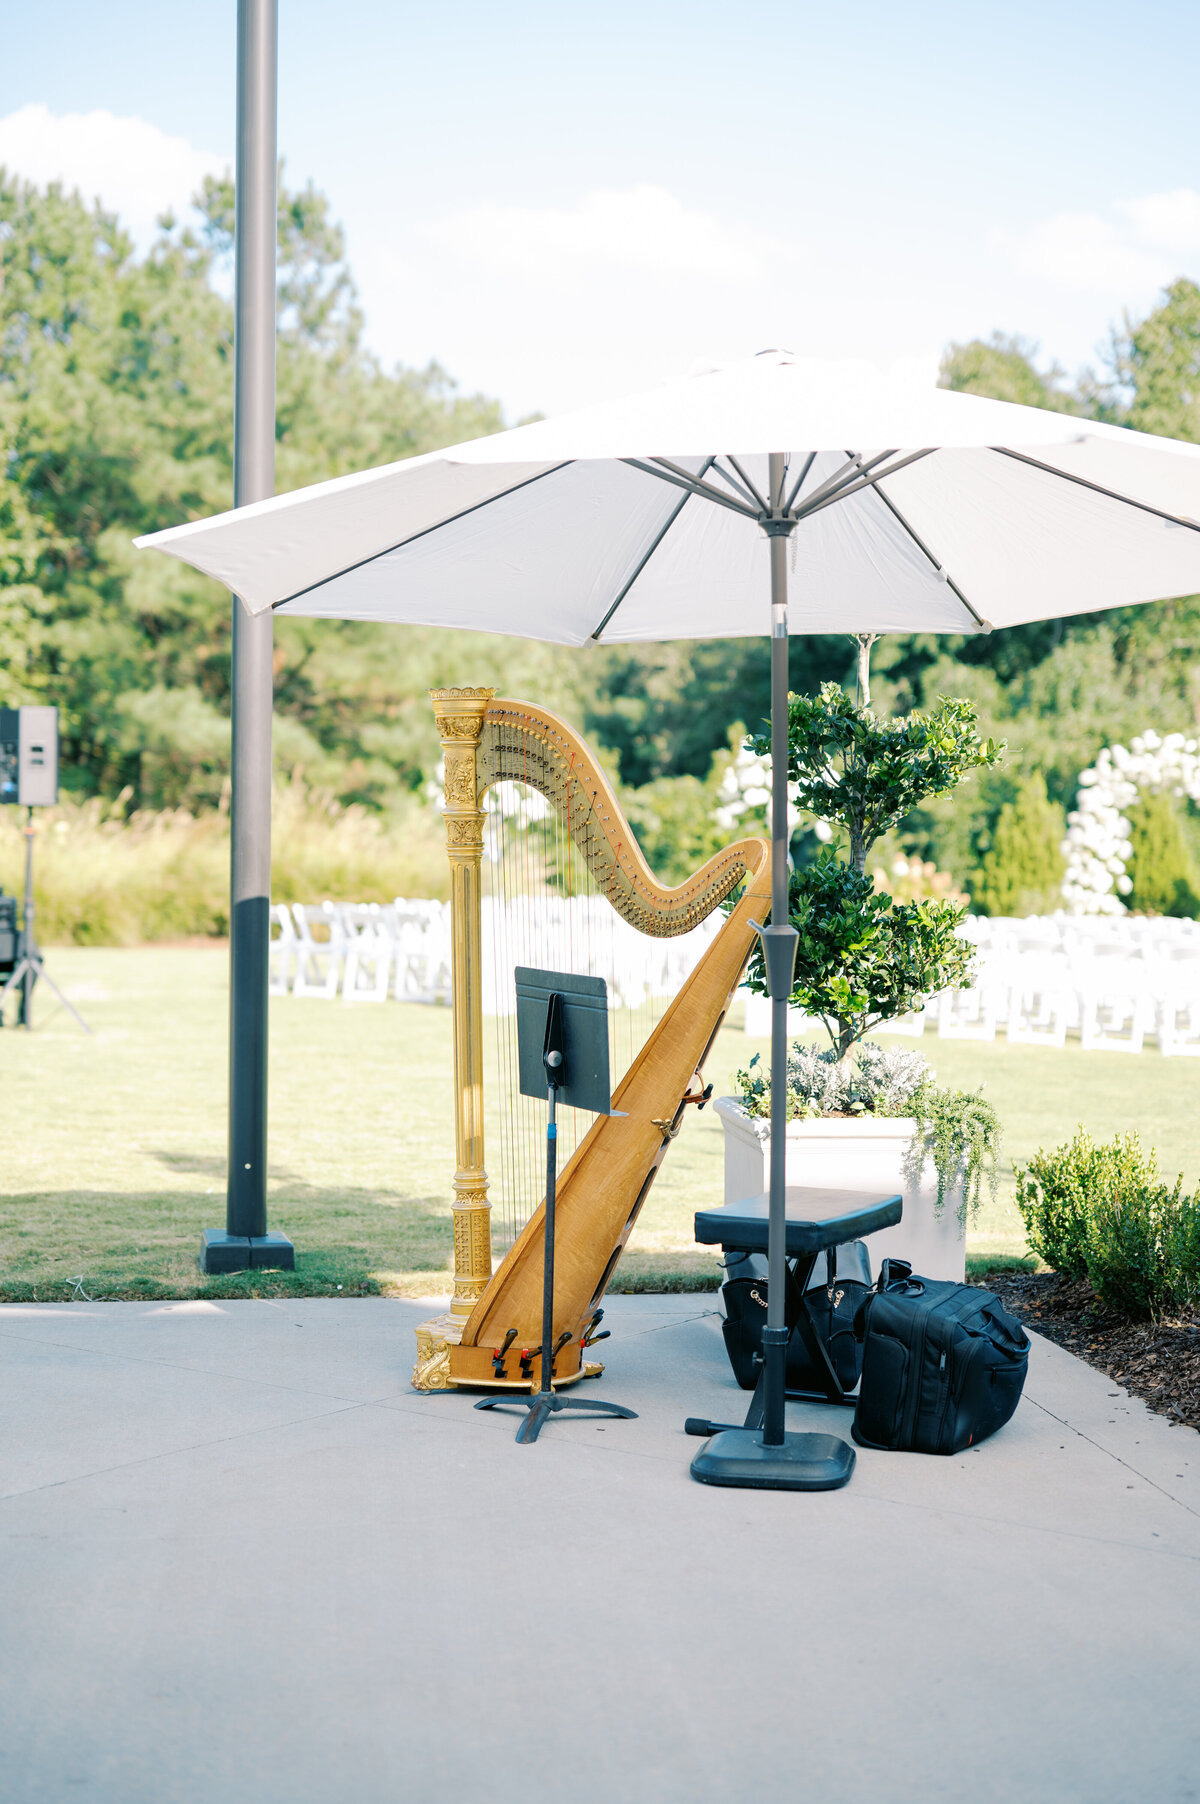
805, 1462
544, 1404
222, 1252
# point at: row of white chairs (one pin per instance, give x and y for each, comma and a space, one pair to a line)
1041, 981
1113, 984
368, 952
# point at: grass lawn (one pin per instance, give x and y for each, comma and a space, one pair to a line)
114, 1144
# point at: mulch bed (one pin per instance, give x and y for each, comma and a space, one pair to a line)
1156, 1361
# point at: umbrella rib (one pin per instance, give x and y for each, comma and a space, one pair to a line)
983, 625
867, 481
851, 472
661, 534
753, 499
1097, 488
682, 480
701, 488
799, 482
362, 562
753, 491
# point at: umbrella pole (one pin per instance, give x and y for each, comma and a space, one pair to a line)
769, 1458
780, 975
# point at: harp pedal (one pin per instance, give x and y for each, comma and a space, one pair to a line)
499, 1354
526, 1363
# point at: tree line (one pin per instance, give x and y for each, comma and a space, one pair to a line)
116, 399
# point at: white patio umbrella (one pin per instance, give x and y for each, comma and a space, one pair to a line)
677, 514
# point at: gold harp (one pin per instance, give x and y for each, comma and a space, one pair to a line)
602, 1188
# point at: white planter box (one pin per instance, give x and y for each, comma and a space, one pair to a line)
864, 1154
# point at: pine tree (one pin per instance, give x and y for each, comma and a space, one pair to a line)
1022, 871
1164, 878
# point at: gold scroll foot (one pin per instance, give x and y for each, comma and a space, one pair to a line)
434, 1341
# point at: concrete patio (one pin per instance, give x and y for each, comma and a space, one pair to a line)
242, 1560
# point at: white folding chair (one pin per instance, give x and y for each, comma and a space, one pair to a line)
282, 954
318, 959
369, 950
421, 960
967, 1014
1113, 1007
1177, 1021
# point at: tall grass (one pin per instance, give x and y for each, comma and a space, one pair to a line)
104, 878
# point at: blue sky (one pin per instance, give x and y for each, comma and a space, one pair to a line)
559, 201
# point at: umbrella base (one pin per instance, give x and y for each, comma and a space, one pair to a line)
805, 1462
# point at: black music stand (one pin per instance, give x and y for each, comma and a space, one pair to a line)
562, 1054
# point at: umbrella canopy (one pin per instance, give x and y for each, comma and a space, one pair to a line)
917, 509
676, 514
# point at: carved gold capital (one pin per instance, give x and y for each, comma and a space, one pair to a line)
464, 833
459, 712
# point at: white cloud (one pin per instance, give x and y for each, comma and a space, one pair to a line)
1170, 222
137, 170
1137, 247
642, 229
1083, 251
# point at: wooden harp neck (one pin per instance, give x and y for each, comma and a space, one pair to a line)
520, 743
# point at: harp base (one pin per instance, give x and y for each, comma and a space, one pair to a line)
438, 1340
805, 1462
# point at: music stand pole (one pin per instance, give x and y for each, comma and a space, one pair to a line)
546, 1401
29, 967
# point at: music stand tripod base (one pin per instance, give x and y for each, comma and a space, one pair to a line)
804, 1462
562, 1040
543, 1404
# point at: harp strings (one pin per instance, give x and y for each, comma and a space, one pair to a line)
543, 907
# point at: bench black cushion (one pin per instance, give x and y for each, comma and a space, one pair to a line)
816, 1219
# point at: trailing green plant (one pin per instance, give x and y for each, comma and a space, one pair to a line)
958, 1131
1021, 873
862, 958
866, 772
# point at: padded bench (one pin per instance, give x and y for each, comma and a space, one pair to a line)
817, 1219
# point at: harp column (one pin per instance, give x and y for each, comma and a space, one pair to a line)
460, 715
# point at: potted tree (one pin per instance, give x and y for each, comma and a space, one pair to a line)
861, 1117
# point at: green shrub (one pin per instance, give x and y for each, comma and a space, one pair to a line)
1143, 1249
1160, 868
1057, 1192
1022, 871
1103, 1212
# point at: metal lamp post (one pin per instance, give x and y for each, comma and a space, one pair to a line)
246, 1241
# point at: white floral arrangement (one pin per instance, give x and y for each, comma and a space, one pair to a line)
746, 786
1097, 846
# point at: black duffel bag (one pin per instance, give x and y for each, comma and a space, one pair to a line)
833, 1302
943, 1365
